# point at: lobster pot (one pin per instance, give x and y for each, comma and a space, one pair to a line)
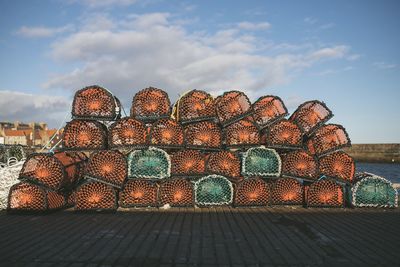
166, 133
287, 191
138, 193
252, 192
108, 166
95, 196
299, 164
325, 193
176, 192
328, 138
232, 106
194, 106
373, 191
188, 163
84, 135
71, 198
311, 115
337, 165
268, 109
152, 163
127, 133
203, 135
243, 133
261, 161
95, 103
150, 104
283, 134
54, 171
30, 197
225, 163
213, 190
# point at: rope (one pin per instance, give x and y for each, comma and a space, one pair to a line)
58, 130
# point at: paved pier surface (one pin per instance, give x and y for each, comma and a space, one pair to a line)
203, 237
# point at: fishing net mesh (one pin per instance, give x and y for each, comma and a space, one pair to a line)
283, 134
95, 102
138, 193
108, 166
152, 163
213, 190
127, 132
187, 163
328, 138
268, 109
195, 106
71, 198
310, 115
150, 104
58, 171
203, 135
325, 193
252, 192
373, 191
95, 196
166, 133
287, 191
261, 161
224, 163
338, 165
29, 197
176, 192
232, 106
299, 164
85, 135
242, 133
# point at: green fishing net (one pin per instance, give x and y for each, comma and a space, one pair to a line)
152, 163
373, 191
213, 190
11, 152
261, 161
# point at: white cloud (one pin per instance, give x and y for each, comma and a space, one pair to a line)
105, 3
330, 52
245, 25
310, 20
384, 66
40, 31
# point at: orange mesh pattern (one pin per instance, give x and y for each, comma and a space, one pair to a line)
95, 196
203, 135
325, 193
252, 192
287, 191
30, 197
127, 132
224, 163
71, 199
311, 115
187, 163
268, 109
176, 192
138, 193
58, 171
299, 164
283, 134
108, 166
166, 133
95, 102
337, 165
241, 133
232, 106
150, 104
85, 135
328, 138
195, 106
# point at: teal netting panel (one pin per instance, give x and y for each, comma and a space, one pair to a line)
373, 191
261, 161
213, 190
152, 163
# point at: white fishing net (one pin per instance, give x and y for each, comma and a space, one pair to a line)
8, 177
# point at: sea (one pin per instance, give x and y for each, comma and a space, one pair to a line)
390, 171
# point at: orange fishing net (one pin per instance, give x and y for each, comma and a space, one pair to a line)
252, 192
166, 133
338, 165
187, 163
95, 195
150, 104
299, 164
138, 193
283, 134
127, 132
287, 191
328, 138
241, 134
268, 109
84, 135
176, 192
203, 135
325, 193
224, 163
232, 106
195, 106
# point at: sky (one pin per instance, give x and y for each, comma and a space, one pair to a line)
345, 53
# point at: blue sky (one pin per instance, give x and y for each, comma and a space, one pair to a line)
344, 53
